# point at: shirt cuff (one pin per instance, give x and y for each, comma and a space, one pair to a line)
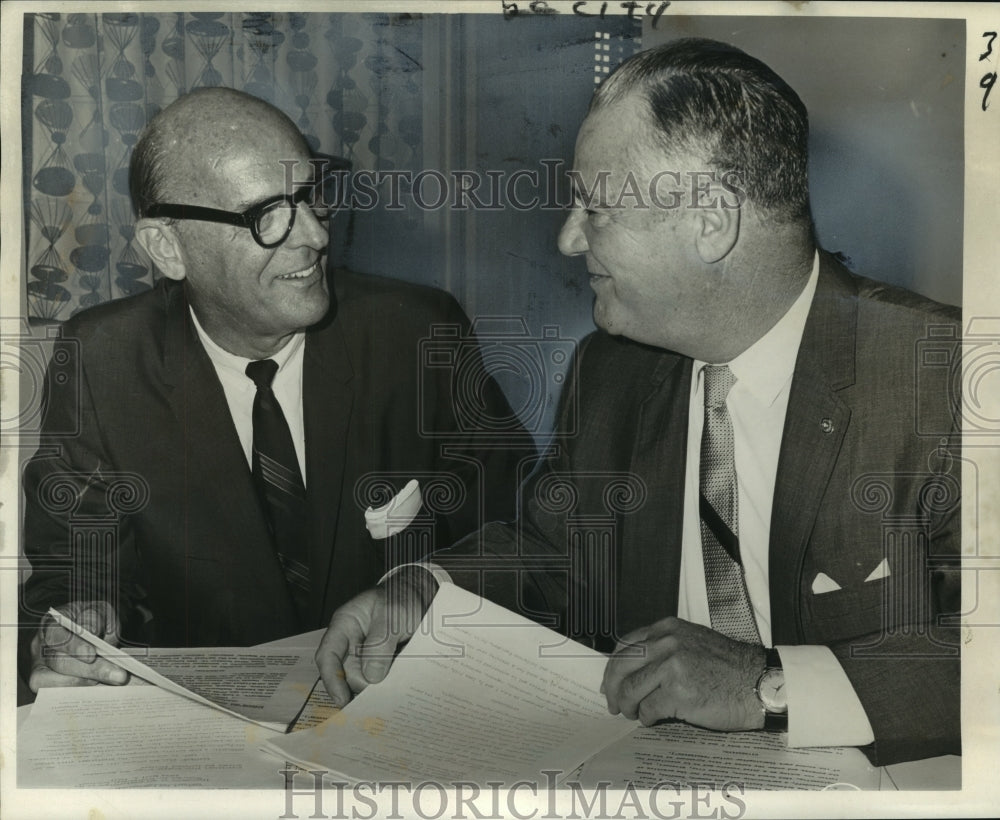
440, 575
823, 708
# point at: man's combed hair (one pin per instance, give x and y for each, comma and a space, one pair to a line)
717, 103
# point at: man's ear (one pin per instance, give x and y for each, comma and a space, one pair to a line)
717, 227
161, 243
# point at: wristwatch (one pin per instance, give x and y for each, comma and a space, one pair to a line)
770, 691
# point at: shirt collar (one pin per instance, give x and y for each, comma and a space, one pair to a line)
767, 365
238, 364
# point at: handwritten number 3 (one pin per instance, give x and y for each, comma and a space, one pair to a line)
992, 35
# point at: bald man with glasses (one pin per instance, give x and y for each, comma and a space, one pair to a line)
228, 421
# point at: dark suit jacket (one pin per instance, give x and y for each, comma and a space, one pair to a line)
868, 470
141, 492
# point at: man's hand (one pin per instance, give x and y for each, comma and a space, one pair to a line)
60, 658
364, 633
677, 669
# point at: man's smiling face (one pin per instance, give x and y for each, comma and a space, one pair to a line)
650, 285
248, 298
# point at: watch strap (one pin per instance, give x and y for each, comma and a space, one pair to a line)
775, 722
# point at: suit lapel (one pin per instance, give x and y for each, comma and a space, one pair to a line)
327, 407
815, 424
650, 574
214, 464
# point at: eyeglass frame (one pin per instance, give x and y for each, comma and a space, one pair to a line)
249, 217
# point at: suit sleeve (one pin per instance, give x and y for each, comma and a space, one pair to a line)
74, 530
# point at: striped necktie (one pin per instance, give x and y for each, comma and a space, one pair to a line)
279, 482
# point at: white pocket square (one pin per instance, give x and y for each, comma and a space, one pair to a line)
881, 571
824, 583
396, 515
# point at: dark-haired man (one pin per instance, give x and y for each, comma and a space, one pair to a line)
790, 549
232, 417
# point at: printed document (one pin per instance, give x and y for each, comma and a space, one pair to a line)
266, 685
677, 753
138, 736
478, 694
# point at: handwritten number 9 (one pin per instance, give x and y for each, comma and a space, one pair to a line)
987, 83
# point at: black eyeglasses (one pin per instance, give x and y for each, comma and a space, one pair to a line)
272, 220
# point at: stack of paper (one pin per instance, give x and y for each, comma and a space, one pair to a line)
266, 685
478, 694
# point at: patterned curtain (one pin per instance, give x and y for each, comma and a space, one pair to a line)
352, 82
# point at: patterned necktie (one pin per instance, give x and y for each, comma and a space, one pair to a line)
728, 601
279, 482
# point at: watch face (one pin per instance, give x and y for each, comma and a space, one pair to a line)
771, 690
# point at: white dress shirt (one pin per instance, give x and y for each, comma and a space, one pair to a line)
823, 709
240, 390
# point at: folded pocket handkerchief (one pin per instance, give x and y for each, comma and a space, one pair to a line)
396, 515
824, 583
881, 571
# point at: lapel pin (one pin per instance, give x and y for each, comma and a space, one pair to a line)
826, 425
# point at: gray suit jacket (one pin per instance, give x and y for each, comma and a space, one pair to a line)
868, 471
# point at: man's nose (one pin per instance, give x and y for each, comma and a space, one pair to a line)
572, 240
308, 230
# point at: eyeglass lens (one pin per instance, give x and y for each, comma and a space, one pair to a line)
323, 199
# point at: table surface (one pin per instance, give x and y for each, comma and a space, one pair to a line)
936, 773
